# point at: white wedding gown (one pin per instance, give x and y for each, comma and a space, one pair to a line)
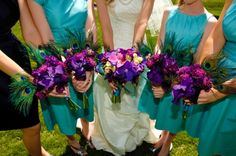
120, 128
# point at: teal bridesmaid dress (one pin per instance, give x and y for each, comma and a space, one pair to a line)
218, 125
187, 31
66, 16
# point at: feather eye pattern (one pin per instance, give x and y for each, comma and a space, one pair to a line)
22, 93
214, 65
38, 54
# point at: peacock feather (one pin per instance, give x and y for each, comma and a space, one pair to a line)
148, 47
22, 93
214, 66
38, 54
77, 41
174, 48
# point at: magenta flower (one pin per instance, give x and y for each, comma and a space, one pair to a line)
121, 66
50, 75
81, 62
191, 80
162, 70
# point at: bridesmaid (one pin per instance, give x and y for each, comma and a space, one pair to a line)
190, 24
218, 125
13, 60
53, 18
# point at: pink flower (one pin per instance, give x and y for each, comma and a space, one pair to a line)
113, 58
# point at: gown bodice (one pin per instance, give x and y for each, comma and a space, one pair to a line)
123, 15
179, 31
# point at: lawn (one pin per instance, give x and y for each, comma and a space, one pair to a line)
11, 141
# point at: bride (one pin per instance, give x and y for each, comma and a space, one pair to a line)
120, 128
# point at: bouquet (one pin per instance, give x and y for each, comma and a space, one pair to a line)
121, 66
191, 80
50, 75
80, 62
162, 70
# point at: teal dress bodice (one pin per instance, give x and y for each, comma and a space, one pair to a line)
218, 125
187, 30
64, 16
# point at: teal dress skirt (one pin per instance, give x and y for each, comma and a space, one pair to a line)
64, 17
182, 31
147, 102
218, 125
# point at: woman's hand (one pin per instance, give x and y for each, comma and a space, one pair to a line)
158, 92
230, 83
209, 97
113, 86
83, 86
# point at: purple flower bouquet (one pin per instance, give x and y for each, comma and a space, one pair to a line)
191, 80
163, 70
50, 75
121, 66
80, 62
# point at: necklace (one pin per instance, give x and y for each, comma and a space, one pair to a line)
125, 2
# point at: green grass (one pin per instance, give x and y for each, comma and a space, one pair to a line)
11, 141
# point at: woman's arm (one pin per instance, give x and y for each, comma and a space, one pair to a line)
205, 38
28, 28
141, 23
91, 21
214, 44
216, 40
161, 36
40, 21
107, 33
8, 66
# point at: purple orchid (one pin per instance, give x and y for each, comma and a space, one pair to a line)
162, 70
50, 75
81, 62
191, 80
